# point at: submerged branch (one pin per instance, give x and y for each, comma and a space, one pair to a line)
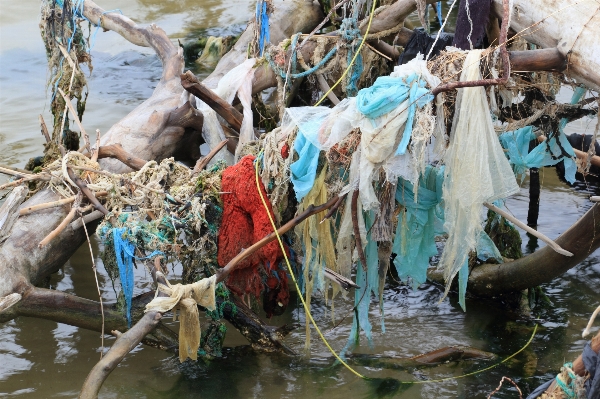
542, 266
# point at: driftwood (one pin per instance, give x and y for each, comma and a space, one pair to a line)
221, 107
539, 267
9, 211
443, 355
544, 24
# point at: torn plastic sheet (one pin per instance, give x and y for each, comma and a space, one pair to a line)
547, 153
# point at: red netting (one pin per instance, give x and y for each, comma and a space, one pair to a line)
245, 221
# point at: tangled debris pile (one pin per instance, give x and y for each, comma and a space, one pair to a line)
402, 162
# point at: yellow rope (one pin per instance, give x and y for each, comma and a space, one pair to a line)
309, 315
287, 261
353, 58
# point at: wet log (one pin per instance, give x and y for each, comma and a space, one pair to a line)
220, 106
70, 309
540, 267
447, 354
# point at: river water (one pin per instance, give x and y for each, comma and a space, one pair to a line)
43, 359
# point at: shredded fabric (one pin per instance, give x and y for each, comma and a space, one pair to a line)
367, 278
245, 222
124, 251
318, 247
477, 171
418, 225
185, 298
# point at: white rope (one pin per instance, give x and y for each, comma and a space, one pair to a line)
470, 22
441, 30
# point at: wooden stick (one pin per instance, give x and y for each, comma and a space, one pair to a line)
58, 229
221, 107
95, 151
311, 210
588, 328
124, 344
202, 162
73, 112
86, 191
24, 180
325, 87
44, 129
46, 205
19, 170
334, 208
357, 238
373, 49
116, 151
528, 229
90, 217
54, 204
13, 172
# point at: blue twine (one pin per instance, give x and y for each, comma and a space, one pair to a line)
262, 19
351, 34
77, 13
438, 7
294, 75
124, 251
568, 389
98, 26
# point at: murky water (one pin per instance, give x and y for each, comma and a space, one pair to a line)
41, 359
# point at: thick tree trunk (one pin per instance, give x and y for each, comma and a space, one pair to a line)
571, 26
540, 267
